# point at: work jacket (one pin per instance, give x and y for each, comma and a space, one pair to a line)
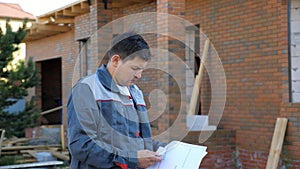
105, 127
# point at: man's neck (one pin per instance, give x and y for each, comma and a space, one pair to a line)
110, 69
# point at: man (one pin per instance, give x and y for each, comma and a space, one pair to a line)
108, 126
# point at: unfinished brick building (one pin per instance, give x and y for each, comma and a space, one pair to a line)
257, 42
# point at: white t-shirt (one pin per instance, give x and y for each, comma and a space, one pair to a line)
124, 90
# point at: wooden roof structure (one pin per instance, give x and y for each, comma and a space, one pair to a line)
124, 3
58, 21
62, 20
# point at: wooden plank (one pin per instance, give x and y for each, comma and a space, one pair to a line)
203, 60
59, 155
30, 152
141, 1
28, 147
79, 10
194, 97
53, 28
121, 3
30, 165
1, 139
198, 79
55, 20
68, 12
26, 161
62, 135
20, 140
51, 110
84, 5
276, 145
10, 153
58, 14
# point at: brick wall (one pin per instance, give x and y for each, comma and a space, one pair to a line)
152, 79
175, 76
63, 46
99, 16
251, 39
221, 152
82, 27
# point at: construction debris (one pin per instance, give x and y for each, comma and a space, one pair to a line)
39, 151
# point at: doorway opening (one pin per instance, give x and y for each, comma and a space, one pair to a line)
50, 91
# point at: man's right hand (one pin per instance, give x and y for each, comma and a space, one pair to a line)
147, 158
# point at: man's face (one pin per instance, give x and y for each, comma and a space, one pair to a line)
129, 72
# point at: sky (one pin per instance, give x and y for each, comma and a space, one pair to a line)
40, 7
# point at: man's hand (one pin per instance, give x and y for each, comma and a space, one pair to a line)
147, 158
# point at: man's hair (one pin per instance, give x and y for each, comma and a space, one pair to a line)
129, 45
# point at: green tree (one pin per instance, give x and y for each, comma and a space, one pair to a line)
14, 82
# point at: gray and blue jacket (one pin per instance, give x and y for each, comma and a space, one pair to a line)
106, 128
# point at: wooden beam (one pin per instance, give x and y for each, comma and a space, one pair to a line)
277, 141
203, 60
194, 97
44, 19
30, 152
64, 20
84, 5
51, 110
33, 165
39, 33
62, 137
79, 10
141, 1
33, 36
121, 3
54, 28
59, 155
47, 33
20, 140
28, 147
56, 20
22, 161
10, 153
58, 14
198, 79
76, 9
68, 12
1, 139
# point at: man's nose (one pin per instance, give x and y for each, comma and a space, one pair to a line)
138, 74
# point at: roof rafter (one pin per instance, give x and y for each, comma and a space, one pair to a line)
55, 28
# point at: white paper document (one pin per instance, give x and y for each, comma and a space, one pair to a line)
179, 155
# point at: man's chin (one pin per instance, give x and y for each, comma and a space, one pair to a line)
131, 83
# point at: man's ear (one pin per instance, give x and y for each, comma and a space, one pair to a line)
115, 60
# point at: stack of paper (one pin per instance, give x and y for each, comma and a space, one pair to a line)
179, 155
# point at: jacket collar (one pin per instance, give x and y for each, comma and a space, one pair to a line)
106, 79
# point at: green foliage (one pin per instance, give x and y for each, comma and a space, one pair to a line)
16, 123
7, 160
14, 82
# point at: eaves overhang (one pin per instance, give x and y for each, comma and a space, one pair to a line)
58, 21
